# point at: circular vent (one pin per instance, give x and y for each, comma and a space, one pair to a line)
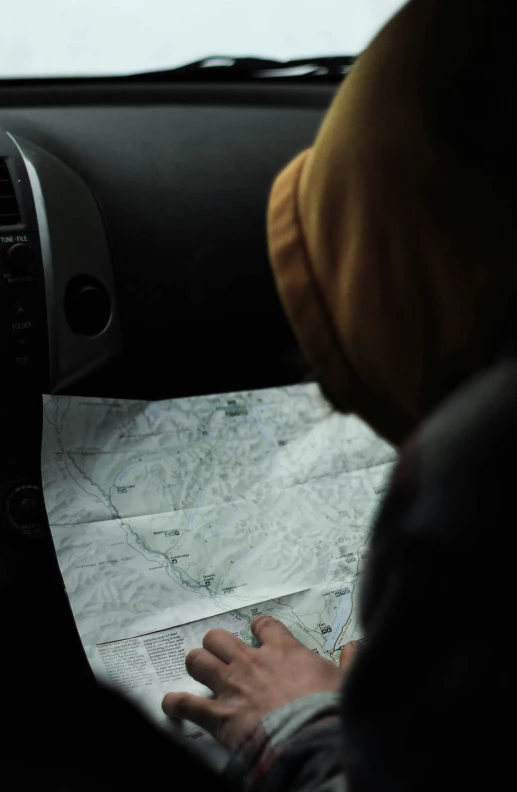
87, 306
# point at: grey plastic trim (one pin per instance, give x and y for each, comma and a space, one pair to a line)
73, 242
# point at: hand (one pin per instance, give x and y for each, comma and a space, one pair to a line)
249, 683
348, 653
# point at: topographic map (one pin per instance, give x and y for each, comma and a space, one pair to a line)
170, 518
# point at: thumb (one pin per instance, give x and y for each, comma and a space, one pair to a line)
348, 653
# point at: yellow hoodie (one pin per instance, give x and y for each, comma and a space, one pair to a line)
394, 258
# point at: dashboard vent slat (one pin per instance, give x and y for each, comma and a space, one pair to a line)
9, 211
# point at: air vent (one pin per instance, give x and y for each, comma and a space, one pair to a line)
9, 212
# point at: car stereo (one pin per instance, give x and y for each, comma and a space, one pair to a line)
58, 313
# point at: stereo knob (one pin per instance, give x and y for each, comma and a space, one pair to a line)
25, 510
19, 259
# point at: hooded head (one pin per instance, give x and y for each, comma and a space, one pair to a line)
393, 239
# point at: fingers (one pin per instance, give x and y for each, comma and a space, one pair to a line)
270, 630
224, 645
186, 706
348, 653
204, 667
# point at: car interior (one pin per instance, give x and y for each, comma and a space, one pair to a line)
133, 261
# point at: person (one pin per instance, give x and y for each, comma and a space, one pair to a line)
393, 241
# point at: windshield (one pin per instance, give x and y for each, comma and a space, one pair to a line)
67, 38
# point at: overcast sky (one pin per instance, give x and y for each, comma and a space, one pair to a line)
87, 37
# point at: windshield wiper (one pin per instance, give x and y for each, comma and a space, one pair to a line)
228, 69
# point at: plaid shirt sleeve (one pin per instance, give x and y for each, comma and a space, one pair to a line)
287, 742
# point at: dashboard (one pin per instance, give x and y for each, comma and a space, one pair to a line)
133, 264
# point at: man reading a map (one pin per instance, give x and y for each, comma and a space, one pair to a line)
393, 241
